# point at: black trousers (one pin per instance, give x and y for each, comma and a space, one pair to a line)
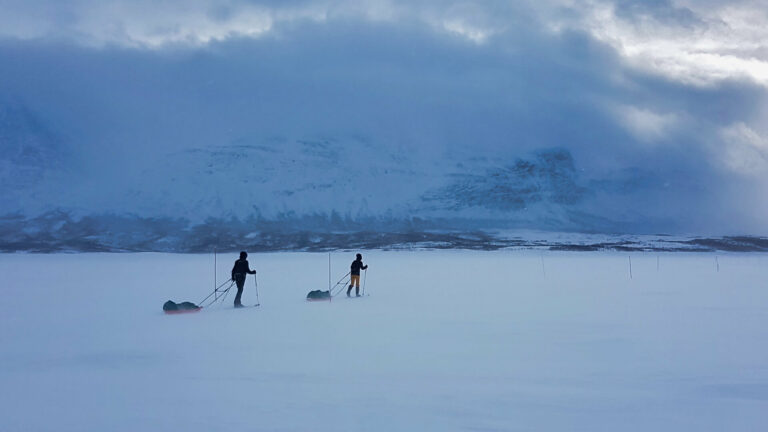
240, 281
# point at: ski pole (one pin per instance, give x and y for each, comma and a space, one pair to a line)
365, 278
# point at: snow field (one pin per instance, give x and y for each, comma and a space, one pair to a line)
447, 341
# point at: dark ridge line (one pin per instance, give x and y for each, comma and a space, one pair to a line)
324, 242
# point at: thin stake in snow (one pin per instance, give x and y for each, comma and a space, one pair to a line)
630, 266
214, 272
717, 264
256, 283
329, 277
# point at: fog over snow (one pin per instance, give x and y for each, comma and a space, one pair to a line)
568, 115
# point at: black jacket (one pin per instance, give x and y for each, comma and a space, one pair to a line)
241, 267
356, 266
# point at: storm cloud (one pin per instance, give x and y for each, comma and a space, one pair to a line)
661, 104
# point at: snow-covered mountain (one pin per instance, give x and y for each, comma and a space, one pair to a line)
31, 156
280, 192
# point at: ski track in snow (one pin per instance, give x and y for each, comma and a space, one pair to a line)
447, 341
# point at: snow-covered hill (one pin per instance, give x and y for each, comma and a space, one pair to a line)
32, 158
304, 193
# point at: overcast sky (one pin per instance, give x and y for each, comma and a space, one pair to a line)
675, 87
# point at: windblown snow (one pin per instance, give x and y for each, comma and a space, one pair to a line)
446, 341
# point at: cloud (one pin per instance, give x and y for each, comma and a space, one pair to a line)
690, 42
151, 24
646, 125
695, 42
626, 87
745, 151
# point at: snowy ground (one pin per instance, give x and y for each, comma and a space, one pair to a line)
447, 341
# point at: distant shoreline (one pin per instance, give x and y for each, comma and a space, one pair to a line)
306, 241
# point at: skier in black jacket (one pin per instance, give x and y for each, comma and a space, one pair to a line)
239, 271
355, 275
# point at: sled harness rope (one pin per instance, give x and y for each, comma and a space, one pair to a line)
340, 285
218, 290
